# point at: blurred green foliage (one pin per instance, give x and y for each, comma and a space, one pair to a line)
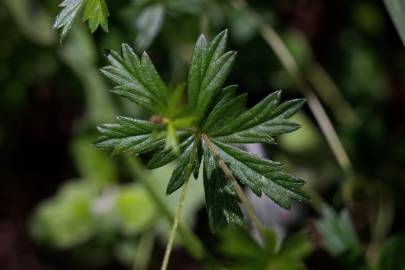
53, 95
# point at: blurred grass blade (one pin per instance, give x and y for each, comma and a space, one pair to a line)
396, 9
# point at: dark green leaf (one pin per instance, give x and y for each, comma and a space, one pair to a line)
165, 155
128, 136
137, 80
260, 123
261, 175
391, 257
244, 253
208, 70
222, 203
184, 168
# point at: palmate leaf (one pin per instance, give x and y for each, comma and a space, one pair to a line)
217, 123
94, 11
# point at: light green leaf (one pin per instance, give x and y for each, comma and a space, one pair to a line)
148, 25
135, 209
64, 20
396, 9
96, 13
66, 220
339, 236
93, 165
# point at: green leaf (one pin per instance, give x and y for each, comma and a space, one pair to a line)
184, 168
244, 253
134, 208
261, 176
137, 80
396, 9
209, 68
128, 136
92, 164
75, 222
148, 25
391, 257
339, 236
64, 20
220, 198
165, 155
96, 13
258, 124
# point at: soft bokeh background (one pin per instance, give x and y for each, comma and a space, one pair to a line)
65, 205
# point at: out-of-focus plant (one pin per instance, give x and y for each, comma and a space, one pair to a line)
340, 238
244, 253
396, 8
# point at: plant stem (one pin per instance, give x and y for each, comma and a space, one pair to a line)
291, 66
173, 231
143, 253
187, 173
190, 241
229, 176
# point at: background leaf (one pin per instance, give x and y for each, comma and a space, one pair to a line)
148, 25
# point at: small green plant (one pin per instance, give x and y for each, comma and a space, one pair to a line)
207, 129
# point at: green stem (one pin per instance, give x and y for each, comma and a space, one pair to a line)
187, 173
144, 250
190, 241
173, 231
229, 176
287, 60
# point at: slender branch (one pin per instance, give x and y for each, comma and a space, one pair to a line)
190, 241
328, 91
187, 173
229, 176
173, 231
289, 63
144, 251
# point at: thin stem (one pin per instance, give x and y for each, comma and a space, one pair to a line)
144, 251
190, 241
229, 176
173, 231
187, 173
289, 63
